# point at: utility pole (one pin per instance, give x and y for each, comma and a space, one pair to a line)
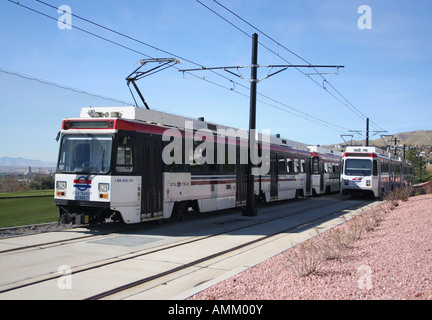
367, 132
395, 145
250, 209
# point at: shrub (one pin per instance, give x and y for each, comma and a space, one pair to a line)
391, 200
404, 193
305, 259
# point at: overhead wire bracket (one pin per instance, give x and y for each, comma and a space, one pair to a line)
347, 135
269, 74
137, 74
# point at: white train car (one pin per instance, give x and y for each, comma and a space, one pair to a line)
325, 171
371, 170
135, 165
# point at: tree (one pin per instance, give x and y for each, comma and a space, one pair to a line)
413, 156
10, 183
42, 182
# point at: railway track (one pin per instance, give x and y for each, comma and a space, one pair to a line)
90, 231
166, 259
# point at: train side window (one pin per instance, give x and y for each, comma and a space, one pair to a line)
124, 159
290, 166
315, 166
375, 168
296, 166
383, 167
303, 165
336, 168
197, 158
228, 163
176, 153
282, 166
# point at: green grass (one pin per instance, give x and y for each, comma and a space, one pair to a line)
32, 193
24, 211
425, 178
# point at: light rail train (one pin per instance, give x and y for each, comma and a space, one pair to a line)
373, 171
136, 165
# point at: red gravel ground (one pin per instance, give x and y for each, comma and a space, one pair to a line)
392, 261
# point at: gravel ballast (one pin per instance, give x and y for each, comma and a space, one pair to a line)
390, 260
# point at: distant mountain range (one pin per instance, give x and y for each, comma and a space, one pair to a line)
418, 137
21, 162
411, 138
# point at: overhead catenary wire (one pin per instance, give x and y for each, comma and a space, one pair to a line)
342, 98
61, 86
108, 40
304, 115
282, 46
123, 35
293, 111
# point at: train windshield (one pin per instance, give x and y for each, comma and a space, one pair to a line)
85, 154
358, 167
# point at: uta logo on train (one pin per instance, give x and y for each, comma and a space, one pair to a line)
82, 183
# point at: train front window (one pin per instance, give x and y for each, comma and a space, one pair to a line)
358, 167
85, 154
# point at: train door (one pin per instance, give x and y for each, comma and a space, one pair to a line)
322, 171
152, 184
308, 177
273, 176
379, 173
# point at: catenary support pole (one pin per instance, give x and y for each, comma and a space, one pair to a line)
367, 132
250, 209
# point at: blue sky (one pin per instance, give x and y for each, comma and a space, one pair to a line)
386, 75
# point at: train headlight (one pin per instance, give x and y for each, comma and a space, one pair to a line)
61, 185
103, 190
368, 183
103, 187
61, 188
